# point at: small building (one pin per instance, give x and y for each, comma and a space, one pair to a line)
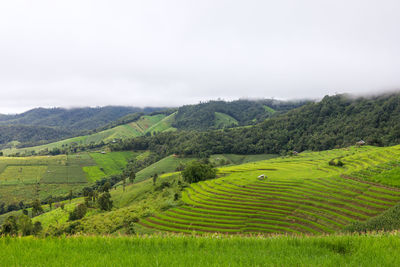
360, 143
262, 177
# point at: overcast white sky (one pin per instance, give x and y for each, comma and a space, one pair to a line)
167, 53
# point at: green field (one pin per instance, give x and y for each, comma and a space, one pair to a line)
26, 178
166, 165
107, 164
301, 194
365, 250
146, 124
224, 120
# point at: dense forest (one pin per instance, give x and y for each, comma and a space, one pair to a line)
31, 134
335, 121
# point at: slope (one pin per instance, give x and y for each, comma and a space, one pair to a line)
145, 124
335, 121
302, 194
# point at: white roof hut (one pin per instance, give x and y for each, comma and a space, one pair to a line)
262, 177
360, 143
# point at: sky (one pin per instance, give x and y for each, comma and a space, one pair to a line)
168, 53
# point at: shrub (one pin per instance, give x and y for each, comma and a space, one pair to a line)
197, 171
336, 162
10, 226
104, 201
25, 225
78, 213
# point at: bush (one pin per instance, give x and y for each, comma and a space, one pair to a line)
196, 171
336, 162
104, 201
37, 228
10, 226
78, 213
25, 225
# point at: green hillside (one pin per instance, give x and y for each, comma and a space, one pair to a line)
28, 178
335, 121
166, 165
223, 120
304, 194
145, 124
301, 194
163, 125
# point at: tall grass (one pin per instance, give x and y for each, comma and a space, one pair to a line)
215, 250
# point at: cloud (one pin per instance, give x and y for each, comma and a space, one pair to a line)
166, 53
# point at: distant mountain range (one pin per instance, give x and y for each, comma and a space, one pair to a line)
41, 126
72, 119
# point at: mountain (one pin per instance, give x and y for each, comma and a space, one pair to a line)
28, 133
335, 121
41, 125
200, 117
222, 114
73, 119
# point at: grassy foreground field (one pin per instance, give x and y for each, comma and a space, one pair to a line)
366, 250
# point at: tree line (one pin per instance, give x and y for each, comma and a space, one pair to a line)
336, 121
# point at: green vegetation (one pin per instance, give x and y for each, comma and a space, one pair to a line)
41, 126
387, 221
269, 109
165, 165
365, 250
197, 171
298, 194
144, 125
27, 178
224, 120
228, 159
221, 114
335, 121
107, 164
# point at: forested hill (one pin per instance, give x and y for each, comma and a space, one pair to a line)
335, 121
31, 134
41, 125
73, 119
222, 114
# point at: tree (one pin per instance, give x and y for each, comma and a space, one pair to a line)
10, 226
37, 228
36, 208
196, 171
70, 195
104, 201
132, 176
50, 201
25, 225
155, 176
78, 213
106, 187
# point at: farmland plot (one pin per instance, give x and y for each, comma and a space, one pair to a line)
301, 194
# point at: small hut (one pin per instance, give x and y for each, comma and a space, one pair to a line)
262, 177
360, 143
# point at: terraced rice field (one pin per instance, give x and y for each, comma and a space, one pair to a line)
301, 194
